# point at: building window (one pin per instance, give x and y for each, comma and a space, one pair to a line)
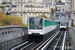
21, 8
31, 9
21, 4
18, 15
46, 14
59, 7
63, 9
25, 9
34, 9
30, 5
21, 14
49, 5
28, 9
36, 5
40, 9
18, 8
46, 9
27, 5
37, 14
28, 14
26, 0
46, 6
37, 9
31, 14
40, 13
18, 4
39, 5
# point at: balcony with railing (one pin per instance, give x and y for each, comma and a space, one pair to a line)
14, 6
33, 6
37, 11
30, 11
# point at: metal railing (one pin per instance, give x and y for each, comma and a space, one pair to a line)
12, 35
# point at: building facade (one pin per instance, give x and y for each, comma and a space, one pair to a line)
68, 5
1, 1
31, 8
60, 7
73, 11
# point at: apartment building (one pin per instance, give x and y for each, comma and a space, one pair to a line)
1, 1
31, 8
68, 5
73, 10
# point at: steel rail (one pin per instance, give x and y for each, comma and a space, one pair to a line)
20, 45
26, 46
63, 45
46, 41
44, 48
58, 41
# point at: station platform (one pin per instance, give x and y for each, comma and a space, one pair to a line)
72, 36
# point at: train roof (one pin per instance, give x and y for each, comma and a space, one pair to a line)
36, 17
43, 18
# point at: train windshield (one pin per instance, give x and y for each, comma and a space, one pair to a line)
36, 22
63, 24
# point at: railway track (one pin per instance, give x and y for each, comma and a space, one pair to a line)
26, 45
58, 43
51, 43
43, 45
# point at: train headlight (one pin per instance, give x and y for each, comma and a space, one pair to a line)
40, 27
31, 27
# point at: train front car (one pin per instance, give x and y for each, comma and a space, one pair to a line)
63, 26
35, 28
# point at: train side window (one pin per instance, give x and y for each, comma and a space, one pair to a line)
41, 22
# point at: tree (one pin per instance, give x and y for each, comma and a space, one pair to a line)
26, 25
2, 17
16, 21
42, 16
56, 0
3, 2
19, 20
6, 21
10, 20
0, 24
52, 11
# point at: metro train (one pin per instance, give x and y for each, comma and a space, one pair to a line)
39, 28
63, 26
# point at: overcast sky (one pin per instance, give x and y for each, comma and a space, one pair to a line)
63, 0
